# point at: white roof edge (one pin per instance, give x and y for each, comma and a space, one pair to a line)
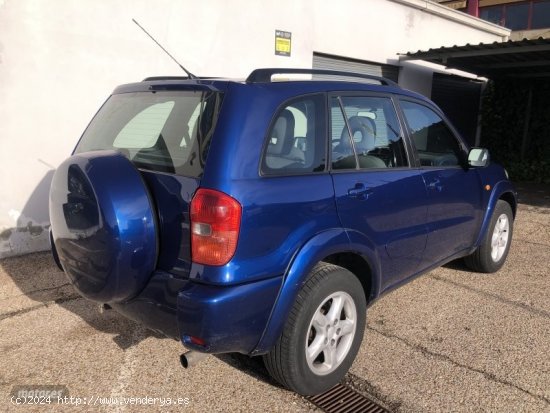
457, 16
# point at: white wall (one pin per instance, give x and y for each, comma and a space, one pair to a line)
59, 60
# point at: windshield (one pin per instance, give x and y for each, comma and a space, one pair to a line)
161, 131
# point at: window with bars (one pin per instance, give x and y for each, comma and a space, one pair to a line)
528, 15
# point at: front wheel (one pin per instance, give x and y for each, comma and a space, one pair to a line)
491, 254
323, 332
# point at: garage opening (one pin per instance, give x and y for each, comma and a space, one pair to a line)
515, 119
331, 62
458, 97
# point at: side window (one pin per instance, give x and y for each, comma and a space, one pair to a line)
434, 141
376, 135
296, 140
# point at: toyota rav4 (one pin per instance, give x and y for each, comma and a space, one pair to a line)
263, 217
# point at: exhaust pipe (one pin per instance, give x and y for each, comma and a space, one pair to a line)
190, 358
104, 307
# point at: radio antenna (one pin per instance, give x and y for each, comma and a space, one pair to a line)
189, 74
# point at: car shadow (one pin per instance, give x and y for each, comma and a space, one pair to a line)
533, 194
37, 277
252, 366
457, 265
32, 223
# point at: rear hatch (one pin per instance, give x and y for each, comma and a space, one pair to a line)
165, 131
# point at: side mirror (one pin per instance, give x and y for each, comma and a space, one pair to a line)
478, 157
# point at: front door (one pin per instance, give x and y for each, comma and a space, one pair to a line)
454, 191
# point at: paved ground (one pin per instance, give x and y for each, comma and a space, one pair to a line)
449, 341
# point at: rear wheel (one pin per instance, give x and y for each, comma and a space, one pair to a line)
323, 332
491, 254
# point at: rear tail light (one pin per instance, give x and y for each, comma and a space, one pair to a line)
215, 224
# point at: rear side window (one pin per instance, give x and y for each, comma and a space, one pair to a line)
296, 140
161, 131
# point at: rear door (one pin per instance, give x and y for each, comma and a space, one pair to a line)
378, 194
454, 191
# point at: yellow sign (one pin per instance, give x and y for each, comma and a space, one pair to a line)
283, 43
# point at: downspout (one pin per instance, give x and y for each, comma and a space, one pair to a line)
480, 114
525, 138
473, 8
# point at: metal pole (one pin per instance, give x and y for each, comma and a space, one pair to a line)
482, 88
525, 137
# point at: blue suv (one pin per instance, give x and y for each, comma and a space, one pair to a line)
263, 216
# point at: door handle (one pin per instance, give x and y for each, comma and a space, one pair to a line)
435, 185
359, 191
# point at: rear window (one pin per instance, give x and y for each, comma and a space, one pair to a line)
161, 131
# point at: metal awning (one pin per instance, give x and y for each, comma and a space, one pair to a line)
517, 59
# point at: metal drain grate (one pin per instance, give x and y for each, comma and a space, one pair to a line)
342, 399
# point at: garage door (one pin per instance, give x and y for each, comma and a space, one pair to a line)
331, 62
458, 97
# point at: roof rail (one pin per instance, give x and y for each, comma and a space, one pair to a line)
264, 75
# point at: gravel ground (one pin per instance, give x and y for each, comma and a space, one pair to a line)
451, 340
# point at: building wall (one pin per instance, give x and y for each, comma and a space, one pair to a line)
60, 59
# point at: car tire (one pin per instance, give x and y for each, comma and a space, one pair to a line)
317, 346
491, 254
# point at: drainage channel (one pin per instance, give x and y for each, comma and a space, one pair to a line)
342, 399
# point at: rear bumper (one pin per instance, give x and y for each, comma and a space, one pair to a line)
155, 307
225, 318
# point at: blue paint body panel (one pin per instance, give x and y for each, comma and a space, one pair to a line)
228, 319
123, 234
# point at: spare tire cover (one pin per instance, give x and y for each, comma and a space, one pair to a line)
103, 225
